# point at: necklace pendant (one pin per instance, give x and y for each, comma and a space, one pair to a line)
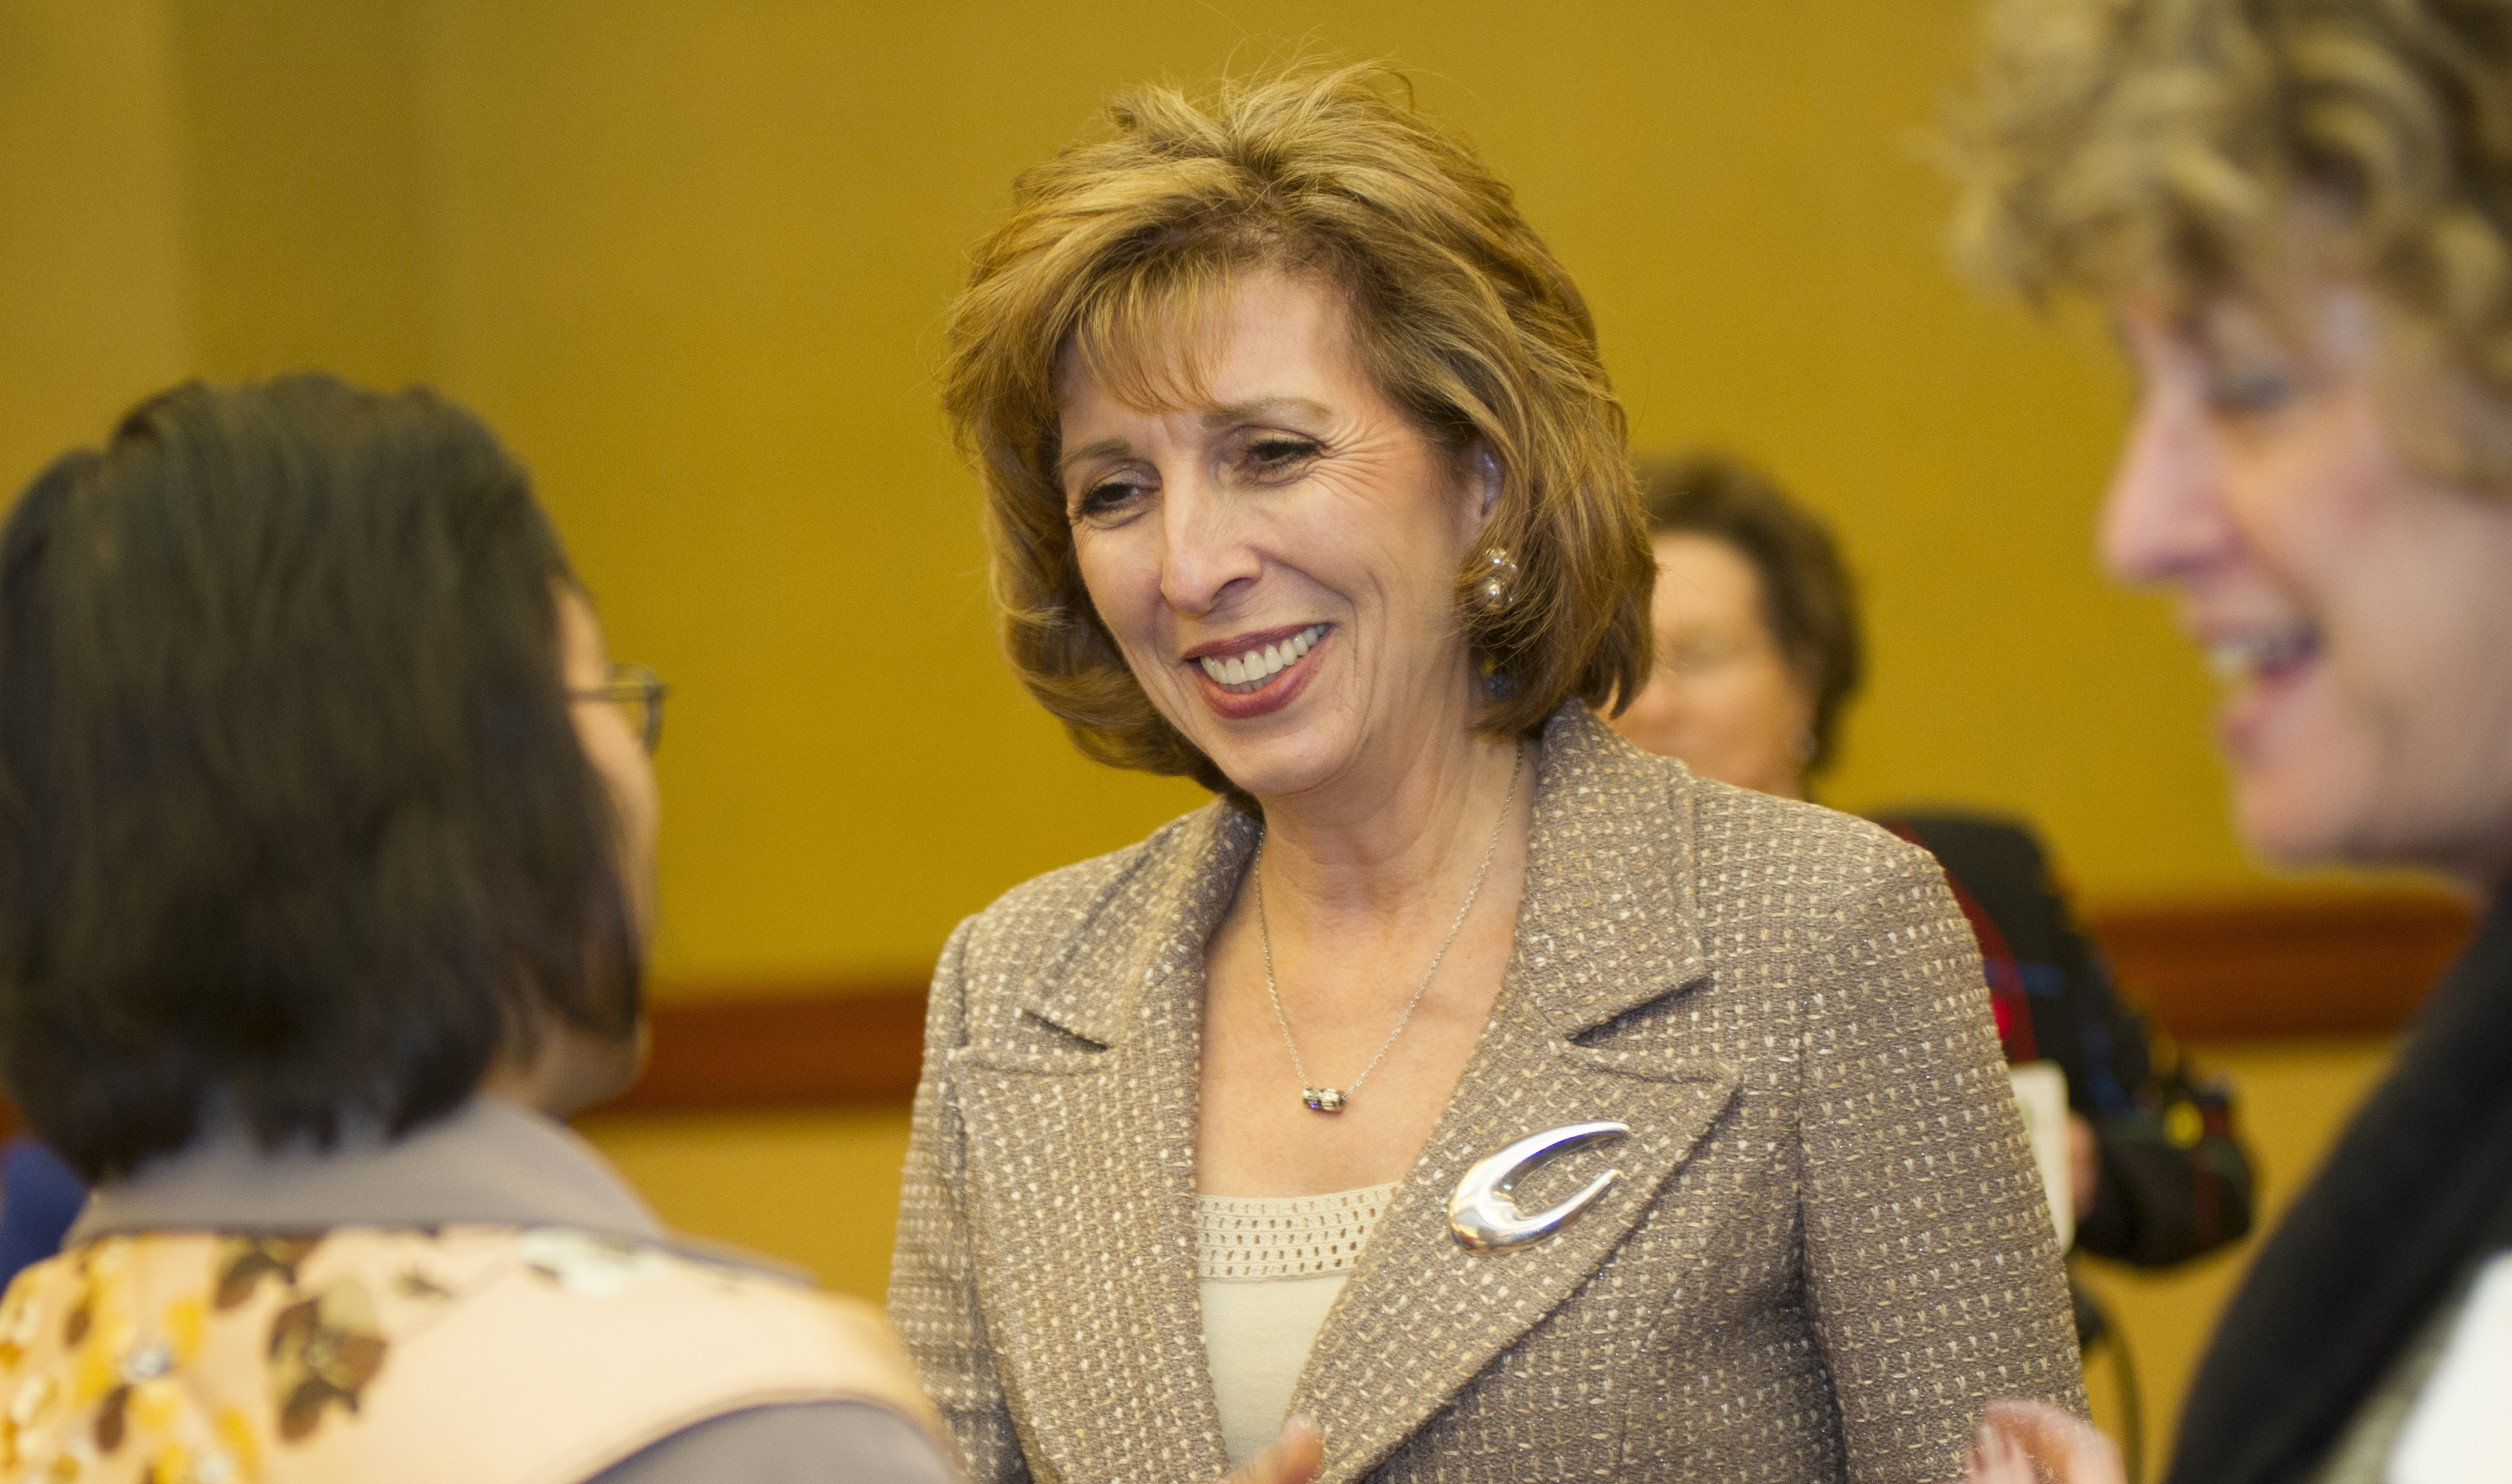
1324, 1100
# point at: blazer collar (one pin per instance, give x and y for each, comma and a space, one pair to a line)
1609, 882
488, 1161
1080, 1170
1606, 926
1081, 1164
1609, 920
1164, 906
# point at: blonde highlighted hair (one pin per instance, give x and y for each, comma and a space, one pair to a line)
2173, 147
1118, 251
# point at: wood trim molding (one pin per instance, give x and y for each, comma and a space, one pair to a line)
2285, 964
2289, 964
2297, 963
797, 1047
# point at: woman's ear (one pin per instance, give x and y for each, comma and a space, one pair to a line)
1483, 465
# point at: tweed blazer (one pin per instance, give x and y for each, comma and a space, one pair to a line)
1827, 1251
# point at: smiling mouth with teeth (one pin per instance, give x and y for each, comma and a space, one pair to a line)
1241, 674
2243, 659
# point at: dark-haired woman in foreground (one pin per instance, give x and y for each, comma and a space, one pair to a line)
325, 861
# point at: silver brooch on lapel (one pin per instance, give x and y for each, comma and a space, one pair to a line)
1485, 1217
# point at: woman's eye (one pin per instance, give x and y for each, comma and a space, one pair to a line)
2250, 390
1267, 457
1699, 653
1107, 499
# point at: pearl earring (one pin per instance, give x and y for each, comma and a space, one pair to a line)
1495, 587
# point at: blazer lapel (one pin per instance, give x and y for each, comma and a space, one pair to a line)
1081, 1165
1606, 924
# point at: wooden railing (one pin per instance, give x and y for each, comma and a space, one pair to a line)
2300, 964
799, 1046
2246, 968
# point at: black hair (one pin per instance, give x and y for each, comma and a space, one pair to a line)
293, 813
1809, 602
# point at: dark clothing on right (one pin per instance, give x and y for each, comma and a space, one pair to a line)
2176, 1182
2416, 1194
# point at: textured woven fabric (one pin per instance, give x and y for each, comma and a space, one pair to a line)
1241, 1237
1828, 1249
1269, 1270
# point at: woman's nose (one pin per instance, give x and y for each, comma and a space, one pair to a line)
1205, 550
2165, 516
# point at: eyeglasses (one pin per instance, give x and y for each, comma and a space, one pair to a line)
1699, 653
639, 693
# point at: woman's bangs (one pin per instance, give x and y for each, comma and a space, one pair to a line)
1149, 337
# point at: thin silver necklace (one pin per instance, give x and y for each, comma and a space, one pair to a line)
1330, 1100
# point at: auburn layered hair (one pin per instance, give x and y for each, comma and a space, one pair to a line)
1119, 252
2175, 146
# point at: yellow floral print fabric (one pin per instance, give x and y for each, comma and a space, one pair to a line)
495, 1355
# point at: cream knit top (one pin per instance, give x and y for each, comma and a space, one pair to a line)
1268, 1271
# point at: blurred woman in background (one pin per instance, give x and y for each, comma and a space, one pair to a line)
2299, 212
1758, 654
327, 841
1304, 477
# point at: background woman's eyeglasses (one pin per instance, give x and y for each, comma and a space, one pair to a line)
639, 693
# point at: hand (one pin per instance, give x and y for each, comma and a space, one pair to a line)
1292, 1459
2083, 1163
2032, 1442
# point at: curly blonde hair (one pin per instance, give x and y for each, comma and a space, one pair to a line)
1120, 251
2129, 145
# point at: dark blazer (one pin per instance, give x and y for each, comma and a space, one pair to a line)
2418, 1191
1828, 1249
2176, 1181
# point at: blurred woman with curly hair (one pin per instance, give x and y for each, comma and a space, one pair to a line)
2300, 214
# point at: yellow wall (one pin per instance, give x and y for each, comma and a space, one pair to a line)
690, 257
815, 1189
96, 301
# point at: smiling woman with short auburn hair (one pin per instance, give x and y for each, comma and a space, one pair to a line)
1468, 1082
1117, 250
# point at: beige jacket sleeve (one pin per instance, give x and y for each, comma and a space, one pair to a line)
932, 1279
1930, 1261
